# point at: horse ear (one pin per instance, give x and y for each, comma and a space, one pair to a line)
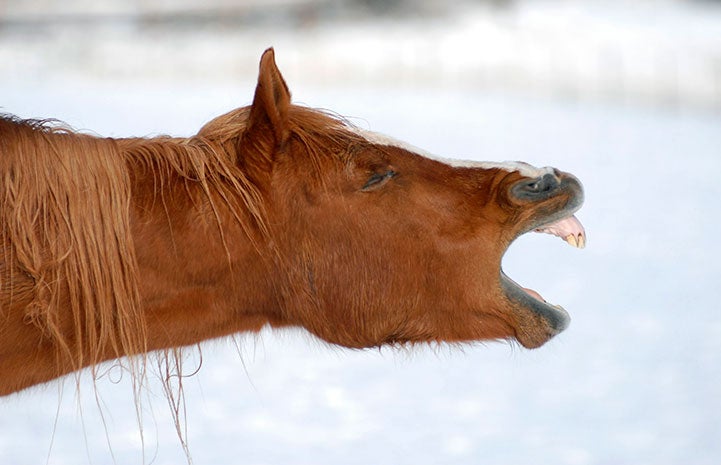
271, 100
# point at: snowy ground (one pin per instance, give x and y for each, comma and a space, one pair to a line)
634, 380
636, 377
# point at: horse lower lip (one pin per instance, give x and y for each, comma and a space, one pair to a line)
556, 318
540, 298
533, 294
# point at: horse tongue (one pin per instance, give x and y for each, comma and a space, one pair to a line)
569, 229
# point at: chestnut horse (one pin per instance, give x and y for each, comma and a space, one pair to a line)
273, 214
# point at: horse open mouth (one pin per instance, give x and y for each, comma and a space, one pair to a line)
547, 319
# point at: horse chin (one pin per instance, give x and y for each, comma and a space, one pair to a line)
538, 320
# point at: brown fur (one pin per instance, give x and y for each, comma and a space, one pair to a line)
119, 247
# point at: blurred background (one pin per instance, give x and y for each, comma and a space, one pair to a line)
663, 52
625, 94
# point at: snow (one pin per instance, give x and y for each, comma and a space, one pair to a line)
634, 379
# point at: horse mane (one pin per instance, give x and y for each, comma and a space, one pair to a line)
65, 225
65, 218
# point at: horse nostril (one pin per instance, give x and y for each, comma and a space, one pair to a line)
536, 187
550, 182
543, 184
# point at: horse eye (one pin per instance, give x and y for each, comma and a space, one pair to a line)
378, 179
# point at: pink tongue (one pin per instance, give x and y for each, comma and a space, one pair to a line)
569, 229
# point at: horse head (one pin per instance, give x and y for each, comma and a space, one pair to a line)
375, 242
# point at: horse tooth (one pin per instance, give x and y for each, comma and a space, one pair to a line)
581, 241
571, 239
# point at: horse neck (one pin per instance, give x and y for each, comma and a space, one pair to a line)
197, 227
195, 268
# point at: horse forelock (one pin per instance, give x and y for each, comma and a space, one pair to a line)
307, 123
324, 135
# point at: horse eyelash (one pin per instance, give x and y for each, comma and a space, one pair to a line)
377, 179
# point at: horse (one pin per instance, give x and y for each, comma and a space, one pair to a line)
274, 215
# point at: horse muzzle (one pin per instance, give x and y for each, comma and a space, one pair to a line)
552, 198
